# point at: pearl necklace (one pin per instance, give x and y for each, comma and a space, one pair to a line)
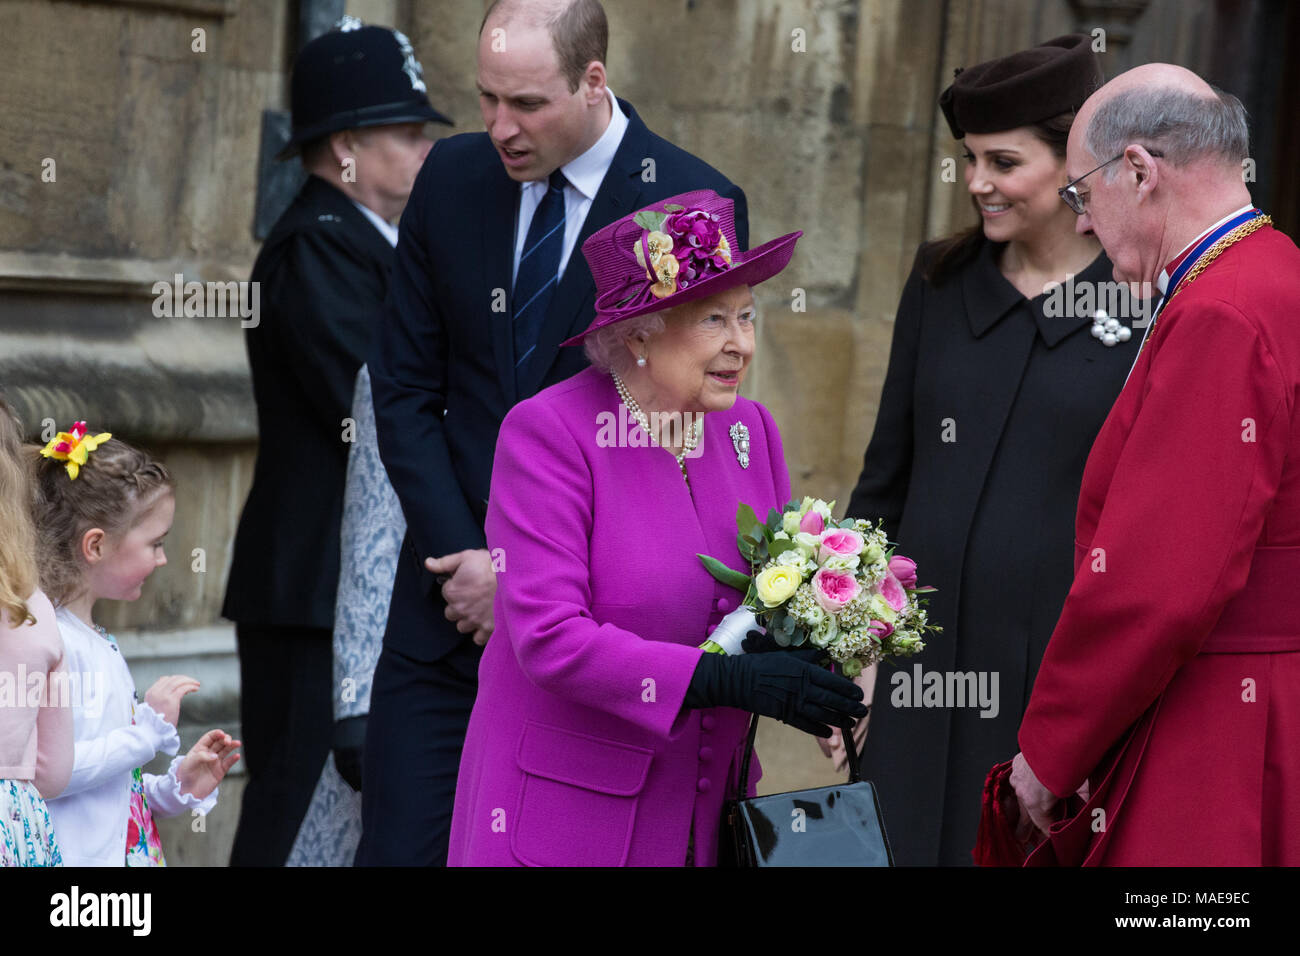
690, 441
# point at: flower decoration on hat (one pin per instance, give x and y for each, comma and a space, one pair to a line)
679, 246
73, 447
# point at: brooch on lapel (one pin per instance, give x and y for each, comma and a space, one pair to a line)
740, 439
1109, 330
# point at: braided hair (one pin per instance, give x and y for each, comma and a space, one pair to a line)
112, 491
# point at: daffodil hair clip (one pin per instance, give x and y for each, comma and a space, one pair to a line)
73, 447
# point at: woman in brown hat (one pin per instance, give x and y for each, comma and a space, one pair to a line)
998, 382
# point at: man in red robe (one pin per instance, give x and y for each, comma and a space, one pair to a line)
1169, 697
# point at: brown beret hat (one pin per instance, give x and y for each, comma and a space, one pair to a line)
1023, 88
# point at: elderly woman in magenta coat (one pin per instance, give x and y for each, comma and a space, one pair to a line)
602, 735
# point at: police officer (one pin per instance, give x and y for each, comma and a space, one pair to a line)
359, 113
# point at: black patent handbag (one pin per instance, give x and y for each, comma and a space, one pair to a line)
839, 825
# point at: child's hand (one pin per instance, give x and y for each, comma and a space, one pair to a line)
166, 693
207, 763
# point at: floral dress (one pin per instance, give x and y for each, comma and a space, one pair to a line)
143, 845
26, 834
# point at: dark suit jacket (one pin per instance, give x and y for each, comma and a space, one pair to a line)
987, 413
324, 273
442, 371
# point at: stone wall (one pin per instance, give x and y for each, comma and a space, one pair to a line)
131, 156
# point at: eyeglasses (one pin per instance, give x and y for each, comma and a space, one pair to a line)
1071, 195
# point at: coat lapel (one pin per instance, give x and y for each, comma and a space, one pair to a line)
989, 296
500, 205
570, 310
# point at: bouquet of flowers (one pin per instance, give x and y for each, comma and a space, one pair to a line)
839, 587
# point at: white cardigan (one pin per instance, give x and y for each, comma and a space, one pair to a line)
90, 817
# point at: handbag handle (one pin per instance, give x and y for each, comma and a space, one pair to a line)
850, 750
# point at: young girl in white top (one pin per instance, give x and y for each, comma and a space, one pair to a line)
102, 510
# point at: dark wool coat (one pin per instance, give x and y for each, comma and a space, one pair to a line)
988, 410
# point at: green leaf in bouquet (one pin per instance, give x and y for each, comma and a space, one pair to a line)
780, 547
727, 575
773, 520
747, 522
672, 207
747, 548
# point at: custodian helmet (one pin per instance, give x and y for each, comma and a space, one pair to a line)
356, 76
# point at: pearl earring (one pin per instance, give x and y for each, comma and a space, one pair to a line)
640, 361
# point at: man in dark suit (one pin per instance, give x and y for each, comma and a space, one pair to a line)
488, 281
359, 109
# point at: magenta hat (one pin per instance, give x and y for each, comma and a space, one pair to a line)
674, 251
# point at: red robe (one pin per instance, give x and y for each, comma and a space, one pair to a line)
1172, 680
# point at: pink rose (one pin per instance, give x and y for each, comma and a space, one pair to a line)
834, 589
904, 569
893, 592
812, 523
839, 542
882, 629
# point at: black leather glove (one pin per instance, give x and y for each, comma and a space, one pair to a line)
756, 642
349, 743
783, 686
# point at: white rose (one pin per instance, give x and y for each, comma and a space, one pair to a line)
790, 523
824, 633
809, 544
841, 562
794, 558
880, 609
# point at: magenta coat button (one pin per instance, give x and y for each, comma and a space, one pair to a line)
707, 721
704, 785
706, 754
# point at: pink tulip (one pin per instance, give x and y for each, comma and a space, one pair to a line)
812, 523
904, 569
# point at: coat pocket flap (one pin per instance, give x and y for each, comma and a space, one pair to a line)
581, 760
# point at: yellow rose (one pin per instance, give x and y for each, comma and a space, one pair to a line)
775, 585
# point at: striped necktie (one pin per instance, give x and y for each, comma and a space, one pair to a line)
537, 275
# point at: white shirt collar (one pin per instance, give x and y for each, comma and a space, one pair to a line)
386, 229
1162, 280
586, 172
